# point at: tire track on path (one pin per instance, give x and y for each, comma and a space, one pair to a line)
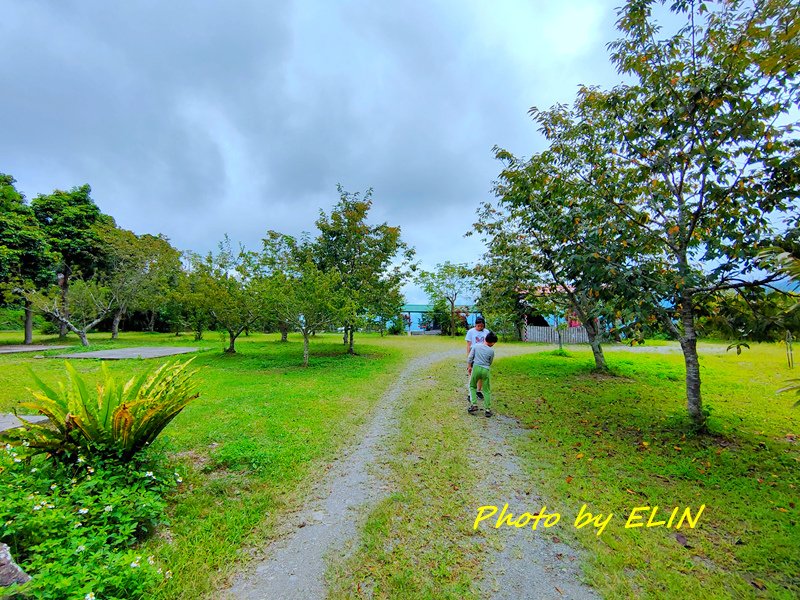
295, 567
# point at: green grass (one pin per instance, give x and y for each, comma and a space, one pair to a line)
257, 437
616, 443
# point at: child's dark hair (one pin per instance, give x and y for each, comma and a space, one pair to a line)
491, 338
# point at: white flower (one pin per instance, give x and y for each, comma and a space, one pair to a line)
83, 511
34, 469
168, 574
26, 443
108, 508
37, 507
135, 564
89, 596
80, 548
90, 469
8, 447
81, 459
149, 474
78, 524
51, 506
73, 481
180, 479
151, 560
17, 460
54, 486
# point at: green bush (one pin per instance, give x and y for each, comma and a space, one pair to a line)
117, 422
73, 528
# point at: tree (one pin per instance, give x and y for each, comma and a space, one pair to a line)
704, 153
137, 270
25, 256
449, 281
90, 304
371, 260
230, 285
302, 295
68, 220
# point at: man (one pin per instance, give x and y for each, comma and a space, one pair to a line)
477, 335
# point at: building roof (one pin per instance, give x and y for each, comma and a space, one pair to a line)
416, 307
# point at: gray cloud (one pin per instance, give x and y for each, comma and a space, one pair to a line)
195, 119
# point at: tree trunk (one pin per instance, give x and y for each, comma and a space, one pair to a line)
688, 340
284, 329
231, 347
62, 333
198, 335
594, 342
453, 319
305, 347
115, 324
28, 322
84, 340
151, 324
350, 349
344, 335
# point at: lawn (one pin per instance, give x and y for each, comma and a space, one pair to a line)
257, 437
615, 443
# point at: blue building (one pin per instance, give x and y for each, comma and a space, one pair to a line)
415, 316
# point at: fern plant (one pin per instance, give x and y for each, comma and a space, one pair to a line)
119, 420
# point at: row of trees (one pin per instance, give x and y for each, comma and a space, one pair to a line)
59, 255
656, 196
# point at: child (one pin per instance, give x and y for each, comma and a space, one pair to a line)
476, 335
478, 362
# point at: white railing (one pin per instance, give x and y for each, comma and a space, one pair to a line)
549, 335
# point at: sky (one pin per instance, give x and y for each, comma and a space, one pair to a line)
200, 119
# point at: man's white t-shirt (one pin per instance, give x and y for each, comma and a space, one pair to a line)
476, 337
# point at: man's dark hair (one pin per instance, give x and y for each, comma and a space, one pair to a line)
480, 320
491, 338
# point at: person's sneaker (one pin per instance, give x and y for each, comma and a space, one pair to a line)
487, 412
480, 395
473, 408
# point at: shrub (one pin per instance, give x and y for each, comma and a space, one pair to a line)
119, 422
72, 528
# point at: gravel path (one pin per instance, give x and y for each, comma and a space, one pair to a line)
530, 564
295, 568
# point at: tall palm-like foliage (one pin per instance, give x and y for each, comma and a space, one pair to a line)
119, 420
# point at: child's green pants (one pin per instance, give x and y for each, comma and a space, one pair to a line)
480, 373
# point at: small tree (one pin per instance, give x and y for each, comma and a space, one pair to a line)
449, 282
230, 285
303, 296
90, 304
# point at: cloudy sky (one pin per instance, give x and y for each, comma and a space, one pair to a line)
196, 119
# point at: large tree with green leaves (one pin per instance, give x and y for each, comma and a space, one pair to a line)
705, 154
25, 256
371, 260
68, 219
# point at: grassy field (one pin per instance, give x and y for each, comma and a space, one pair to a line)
615, 443
256, 438
264, 428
